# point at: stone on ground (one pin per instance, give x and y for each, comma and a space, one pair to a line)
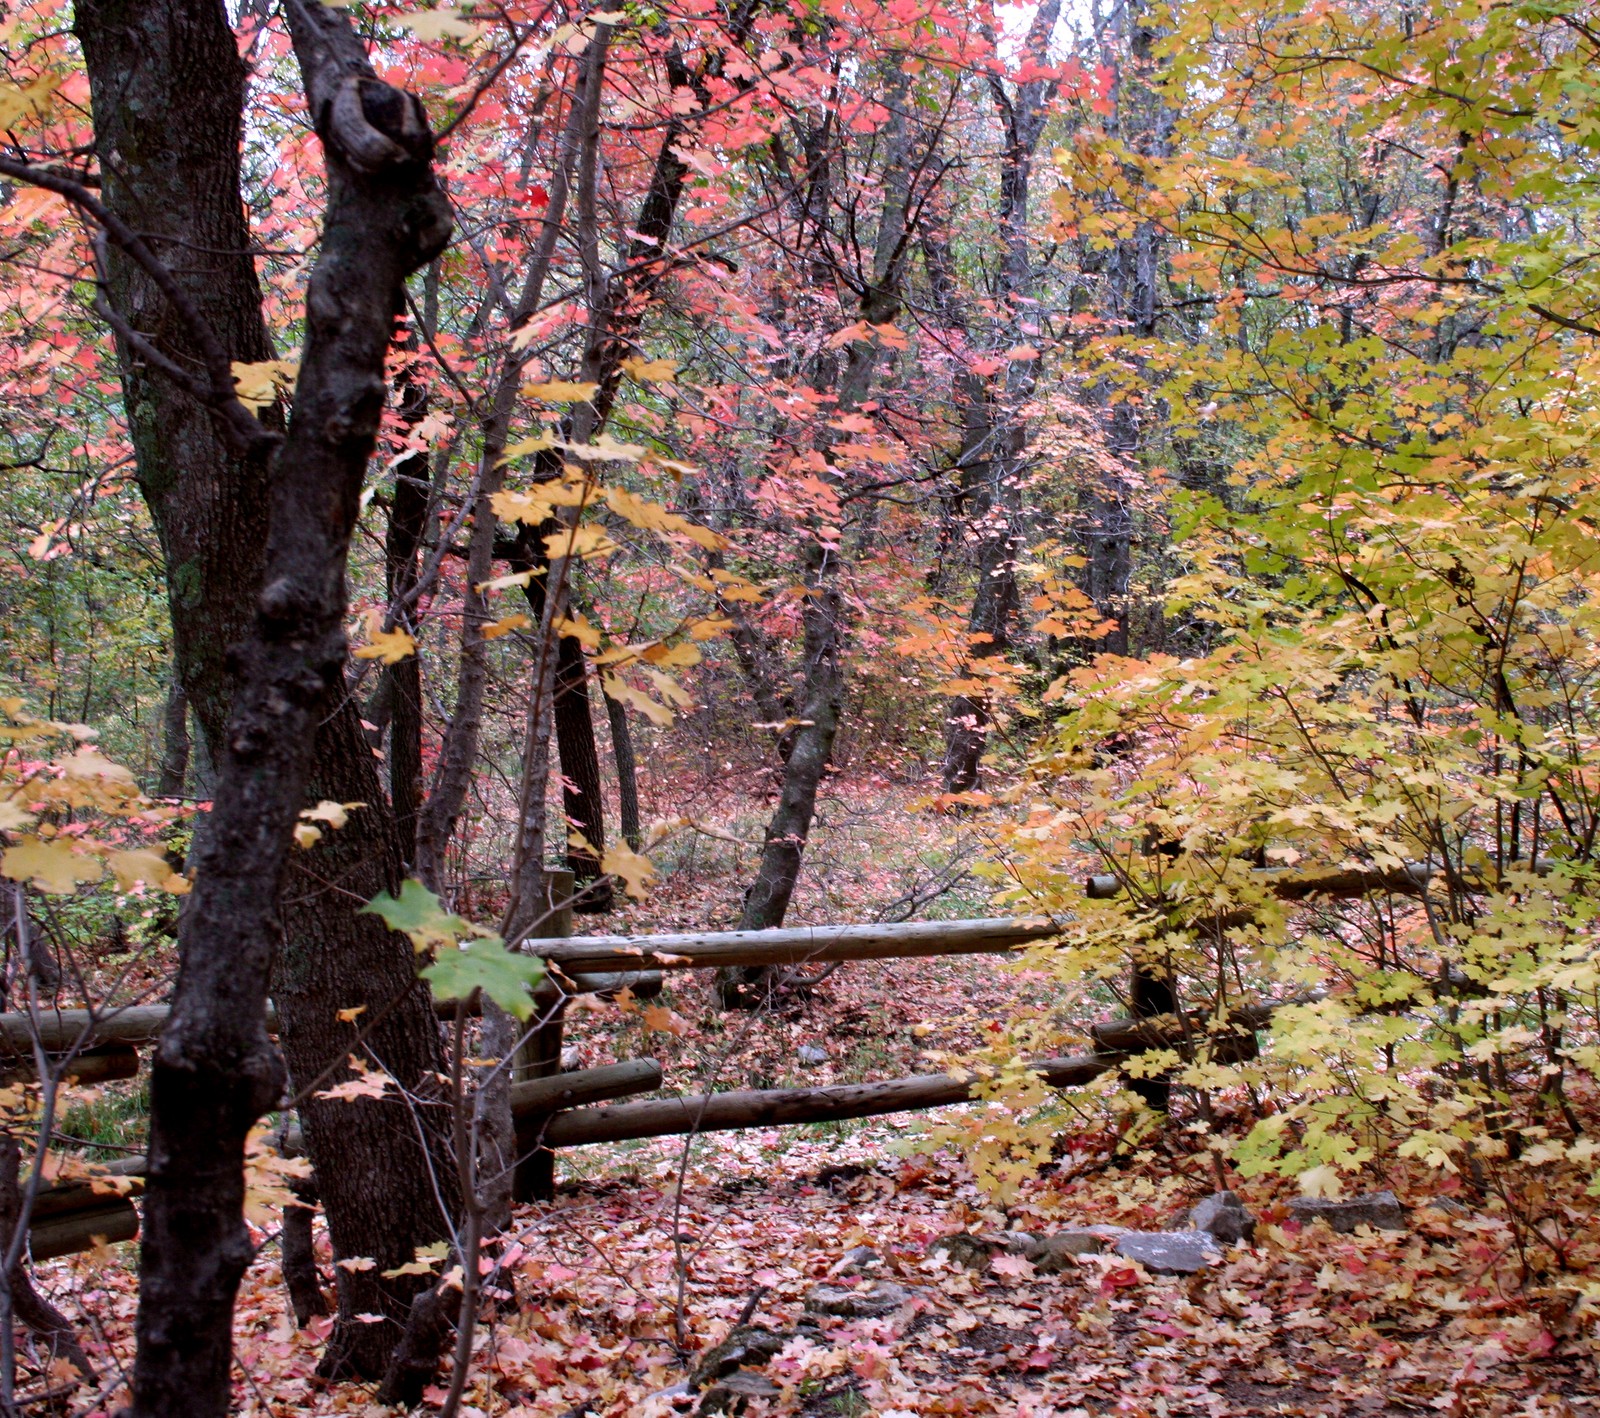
1169, 1252
869, 1301
1225, 1217
1380, 1209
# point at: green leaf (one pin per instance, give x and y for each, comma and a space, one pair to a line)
418, 913
506, 977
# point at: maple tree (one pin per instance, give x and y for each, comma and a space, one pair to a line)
1171, 424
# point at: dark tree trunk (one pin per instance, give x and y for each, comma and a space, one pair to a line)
995, 440
378, 1190
408, 517
627, 772
174, 743
181, 176
175, 180
582, 792
168, 76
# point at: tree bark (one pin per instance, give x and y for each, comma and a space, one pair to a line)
627, 772
178, 179
170, 75
582, 792
1000, 450
174, 742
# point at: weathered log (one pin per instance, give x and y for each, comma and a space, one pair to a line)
791, 945
61, 1235
584, 1085
61, 1029
100, 1064
1295, 884
780, 1107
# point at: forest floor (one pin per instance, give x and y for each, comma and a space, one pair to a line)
652, 1252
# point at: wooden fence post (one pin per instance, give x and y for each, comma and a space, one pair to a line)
540, 1055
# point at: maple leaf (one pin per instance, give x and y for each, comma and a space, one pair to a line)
507, 977
634, 869
390, 646
658, 1019
418, 913
51, 866
367, 1083
657, 371
132, 867
332, 813
625, 693
561, 391
505, 625
443, 23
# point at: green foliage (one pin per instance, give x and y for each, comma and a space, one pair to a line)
485, 964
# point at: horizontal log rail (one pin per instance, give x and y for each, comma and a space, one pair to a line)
607, 964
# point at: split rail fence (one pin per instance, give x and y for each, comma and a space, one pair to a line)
555, 1109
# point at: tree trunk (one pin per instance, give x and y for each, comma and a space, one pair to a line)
379, 1190
174, 742
180, 176
997, 503
582, 792
169, 77
167, 89
627, 772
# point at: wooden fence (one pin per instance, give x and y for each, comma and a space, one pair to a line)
554, 1109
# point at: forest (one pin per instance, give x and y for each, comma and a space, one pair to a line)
808, 707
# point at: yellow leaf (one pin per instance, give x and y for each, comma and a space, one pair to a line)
390, 646
439, 25
653, 371
334, 814
502, 583
539, 443
306, 836
50, 866
12, 816
670, 689
258, 385
624, 693
349, 1016
605, 447
528, 507
583, 541
1322, 1181
632, 869
16, 103
709, 628
670, 657
561, 391
656, 518
580, 630
132, 867
505, 625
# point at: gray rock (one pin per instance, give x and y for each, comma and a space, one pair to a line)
1380, 1209
1225, 1217
1057, 1251
859, 1260
733, 1393
1169, 1252
869, 1301
1449, 1205
810, 1055
745, 1344
964, 1249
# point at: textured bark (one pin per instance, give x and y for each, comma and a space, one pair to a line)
165, 75
995, 445
380, 1189
627, 773
176, 180
179, 173
582, 792
26, 1304
300, 1277
174, 743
